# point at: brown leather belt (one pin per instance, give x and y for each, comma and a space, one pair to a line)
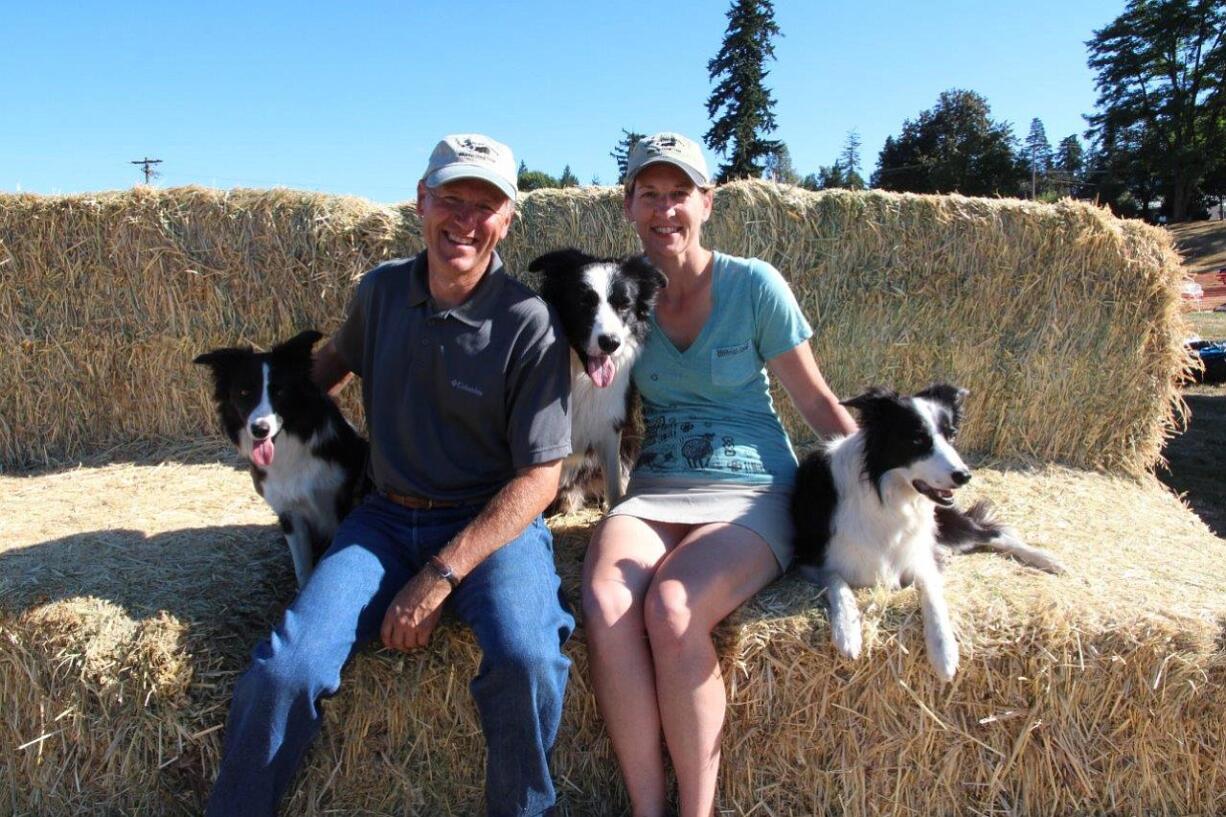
421, 503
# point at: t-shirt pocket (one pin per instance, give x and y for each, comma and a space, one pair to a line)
733, 365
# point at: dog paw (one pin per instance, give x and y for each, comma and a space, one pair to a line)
944, 659
847, 639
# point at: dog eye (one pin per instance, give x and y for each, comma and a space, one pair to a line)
619, 302
244, 392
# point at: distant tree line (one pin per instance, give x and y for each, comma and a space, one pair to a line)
1155, 146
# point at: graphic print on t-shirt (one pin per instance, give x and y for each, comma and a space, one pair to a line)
672, 445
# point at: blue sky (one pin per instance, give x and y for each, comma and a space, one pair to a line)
350, 98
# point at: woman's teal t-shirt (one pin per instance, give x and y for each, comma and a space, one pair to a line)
707, 411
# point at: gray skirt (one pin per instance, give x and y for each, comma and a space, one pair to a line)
763, 509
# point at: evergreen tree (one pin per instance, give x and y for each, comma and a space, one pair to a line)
953, 148
568, 179
1038, 156
1161, 80
1068, 167
621, 153
779, 166
833, 177
746, 103
850, 162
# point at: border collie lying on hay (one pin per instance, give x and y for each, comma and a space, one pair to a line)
306, 460
876, 508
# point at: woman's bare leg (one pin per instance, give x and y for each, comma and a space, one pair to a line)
708, 575
620, 562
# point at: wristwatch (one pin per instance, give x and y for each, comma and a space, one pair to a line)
444, 571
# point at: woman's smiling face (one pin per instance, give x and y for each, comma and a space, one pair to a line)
667, 210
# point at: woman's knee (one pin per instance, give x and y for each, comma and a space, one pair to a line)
608, 604
668, 614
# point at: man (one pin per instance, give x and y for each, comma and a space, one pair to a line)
465, 382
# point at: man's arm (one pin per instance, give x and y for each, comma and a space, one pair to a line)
413, 614
329, 370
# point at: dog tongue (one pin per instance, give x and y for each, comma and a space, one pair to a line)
600, 369
261, 453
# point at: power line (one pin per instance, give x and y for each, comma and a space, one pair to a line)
150, 173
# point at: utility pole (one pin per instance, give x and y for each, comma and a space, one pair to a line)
150, 173
1034, 172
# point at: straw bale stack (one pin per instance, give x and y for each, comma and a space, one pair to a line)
1062, 320
130, 596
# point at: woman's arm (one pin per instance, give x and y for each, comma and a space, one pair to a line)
797, 371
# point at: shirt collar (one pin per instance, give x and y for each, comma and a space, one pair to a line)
479, 307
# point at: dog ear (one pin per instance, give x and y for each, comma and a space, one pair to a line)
567, 260
645, 272
867, 401
299, 345
950, 395
219, 358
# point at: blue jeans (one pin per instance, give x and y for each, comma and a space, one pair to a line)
511, 601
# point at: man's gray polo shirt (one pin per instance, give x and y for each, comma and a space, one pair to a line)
456, 400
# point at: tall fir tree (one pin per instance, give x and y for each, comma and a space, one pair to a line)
849, 162
1038, 156
1068, 167
621, 153
568, 179
741, 106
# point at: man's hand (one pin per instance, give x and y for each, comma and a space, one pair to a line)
413, 614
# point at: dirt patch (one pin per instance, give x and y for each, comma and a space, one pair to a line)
1195, 458
1202, 244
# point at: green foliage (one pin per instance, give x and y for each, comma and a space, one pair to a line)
952, 148
850, 161
740, 106
535, 179
1160, 127
568, 179
1067, 173
779, 166
1038, 158
621, 153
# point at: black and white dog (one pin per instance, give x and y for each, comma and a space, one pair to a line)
877, 508
604, 305
306, 460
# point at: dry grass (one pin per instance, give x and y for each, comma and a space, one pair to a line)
130, 595
1202, 244
1063, 321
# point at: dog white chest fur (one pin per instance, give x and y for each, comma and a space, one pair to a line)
598, 412
886, 540
299, 486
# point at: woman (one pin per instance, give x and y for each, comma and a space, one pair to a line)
705, 524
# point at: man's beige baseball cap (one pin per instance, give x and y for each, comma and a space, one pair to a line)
672, 148
473, 156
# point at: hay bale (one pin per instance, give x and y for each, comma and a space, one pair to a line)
126, 610
1063, 321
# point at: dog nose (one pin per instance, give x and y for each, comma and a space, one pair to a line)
960, 478
608, 344
259, 429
